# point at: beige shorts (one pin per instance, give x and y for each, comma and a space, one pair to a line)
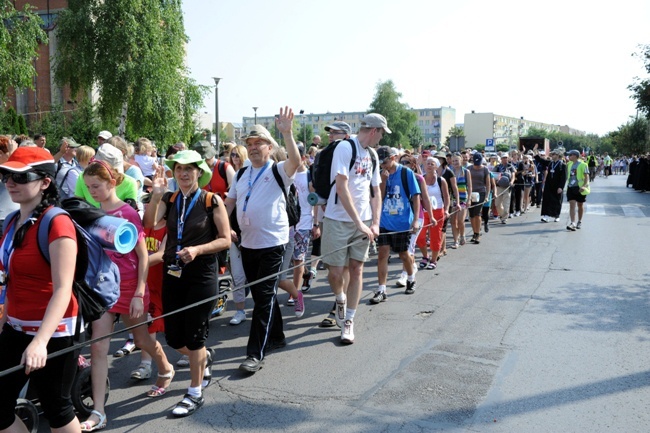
342, 241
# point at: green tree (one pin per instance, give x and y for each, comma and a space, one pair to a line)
415, 136
630, 138
83, 125
53, 125
305, 134
640, 87
400, 119
133, 51
20, 34
11, 121
22, 125
455, 131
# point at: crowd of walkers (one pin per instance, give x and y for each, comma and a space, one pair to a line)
200, 215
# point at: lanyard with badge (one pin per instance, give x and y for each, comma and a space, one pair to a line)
175, 268
245, 219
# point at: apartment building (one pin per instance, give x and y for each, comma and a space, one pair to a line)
480, 127
434, 123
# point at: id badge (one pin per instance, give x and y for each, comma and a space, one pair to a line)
174, 272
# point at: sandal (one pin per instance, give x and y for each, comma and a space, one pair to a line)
159, 391
127, 349
207, 373
187, 406
328, 322
424, 262
432, 265
87, 426
142, 372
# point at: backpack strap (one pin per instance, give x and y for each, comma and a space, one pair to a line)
221, 168
405, 182
43, 234
8, 220
240, 173
278, 179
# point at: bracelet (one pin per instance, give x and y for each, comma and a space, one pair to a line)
316, 225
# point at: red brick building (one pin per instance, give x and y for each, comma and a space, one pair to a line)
32, 103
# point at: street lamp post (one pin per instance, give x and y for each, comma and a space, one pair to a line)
217, 129
255, 110
304, 129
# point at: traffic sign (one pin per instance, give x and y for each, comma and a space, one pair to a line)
489, 144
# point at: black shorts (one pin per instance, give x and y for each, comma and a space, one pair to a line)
198, 282
573, 193
399, 242
475, 208
52, 383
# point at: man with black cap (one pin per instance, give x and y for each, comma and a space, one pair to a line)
399, 218
222, 172
352, 217
577, 188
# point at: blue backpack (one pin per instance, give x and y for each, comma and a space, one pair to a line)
97, 279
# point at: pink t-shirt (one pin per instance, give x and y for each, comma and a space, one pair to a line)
127, 263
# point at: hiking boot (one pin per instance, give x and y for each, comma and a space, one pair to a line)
347, 332
410, 287
300, 305
378, 297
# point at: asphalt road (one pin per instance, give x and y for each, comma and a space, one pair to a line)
536, 329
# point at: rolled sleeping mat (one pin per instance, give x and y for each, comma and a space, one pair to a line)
115, 233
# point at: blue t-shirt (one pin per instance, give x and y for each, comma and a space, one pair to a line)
396, 210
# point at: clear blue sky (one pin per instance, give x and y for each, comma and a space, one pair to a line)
565, 62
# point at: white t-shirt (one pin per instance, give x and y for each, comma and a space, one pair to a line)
264, 223
306, 215
359, 180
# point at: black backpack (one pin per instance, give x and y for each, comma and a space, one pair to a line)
321, 169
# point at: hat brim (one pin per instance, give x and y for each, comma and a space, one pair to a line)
205, 177
47, 167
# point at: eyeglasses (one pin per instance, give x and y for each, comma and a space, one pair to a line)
22, 178
234, 155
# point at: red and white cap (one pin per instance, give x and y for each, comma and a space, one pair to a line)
26, 159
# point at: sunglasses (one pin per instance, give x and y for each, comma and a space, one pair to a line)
405, 162
234, 155
22, 178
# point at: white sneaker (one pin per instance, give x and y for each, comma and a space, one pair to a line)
401, 282
239, 317
557, 219
347, 332
341, 309
544, 219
